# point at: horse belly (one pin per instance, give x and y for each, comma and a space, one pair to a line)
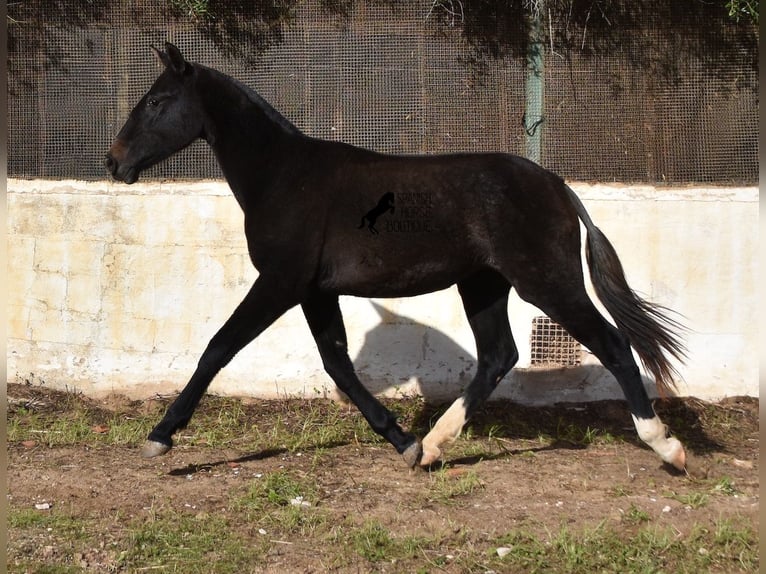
400, 267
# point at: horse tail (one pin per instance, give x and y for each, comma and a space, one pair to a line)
649, 330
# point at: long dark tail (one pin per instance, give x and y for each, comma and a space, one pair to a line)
650, 331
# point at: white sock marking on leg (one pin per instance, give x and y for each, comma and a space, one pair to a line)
653, 432
446, 430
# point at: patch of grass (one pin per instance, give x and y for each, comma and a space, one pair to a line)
650, 549
468, 446
495, 430
725, 486
125, 431
297, 424
445, 486
326, 423
49, 530
284, 504
373, 542
307, 425
50, 431
58, 522
179, 542
576, 435
170, 541
527, 552
196, 10
277, 489
78, 426
635, 515
165, 541
218, 425
46, 568
692, 500
736, 545
619, 491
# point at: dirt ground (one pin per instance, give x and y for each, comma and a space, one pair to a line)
535, 468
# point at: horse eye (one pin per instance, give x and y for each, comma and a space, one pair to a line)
152, 102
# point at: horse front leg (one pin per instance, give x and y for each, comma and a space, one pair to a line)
263, 305
326, 323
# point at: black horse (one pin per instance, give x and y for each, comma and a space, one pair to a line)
496, 221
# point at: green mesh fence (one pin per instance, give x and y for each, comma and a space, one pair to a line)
634, 91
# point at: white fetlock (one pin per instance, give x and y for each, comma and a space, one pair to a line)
445, 431
431, 454
654, 433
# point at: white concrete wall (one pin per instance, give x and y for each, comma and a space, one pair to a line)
116, 288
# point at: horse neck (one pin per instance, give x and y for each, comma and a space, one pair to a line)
248, 136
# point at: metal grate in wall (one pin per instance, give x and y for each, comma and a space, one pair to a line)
552, 346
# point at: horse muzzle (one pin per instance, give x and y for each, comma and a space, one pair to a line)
116, 165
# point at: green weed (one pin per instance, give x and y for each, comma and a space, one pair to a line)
692, 500
373, 542
283, 504
725, 486
635, 515
444, 487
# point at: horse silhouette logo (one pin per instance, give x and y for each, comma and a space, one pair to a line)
385, 203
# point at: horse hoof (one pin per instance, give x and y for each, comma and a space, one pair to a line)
412, 454
430, 455
153, 448
677, 456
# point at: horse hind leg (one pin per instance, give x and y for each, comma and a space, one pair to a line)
485, 298
577, 314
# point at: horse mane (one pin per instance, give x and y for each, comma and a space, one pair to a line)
255, 98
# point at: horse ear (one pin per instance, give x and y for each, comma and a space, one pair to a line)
175, 60
159, 54
172, 58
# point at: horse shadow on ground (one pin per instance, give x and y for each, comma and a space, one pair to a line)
426, 353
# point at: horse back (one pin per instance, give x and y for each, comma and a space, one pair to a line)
451, 215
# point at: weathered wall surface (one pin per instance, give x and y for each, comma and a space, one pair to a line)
118, 289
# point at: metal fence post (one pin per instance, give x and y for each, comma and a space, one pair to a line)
535, 84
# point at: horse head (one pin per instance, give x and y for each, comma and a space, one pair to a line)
166, 119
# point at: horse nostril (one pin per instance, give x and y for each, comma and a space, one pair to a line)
109, 162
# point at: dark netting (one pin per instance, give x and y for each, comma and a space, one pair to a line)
634, 94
